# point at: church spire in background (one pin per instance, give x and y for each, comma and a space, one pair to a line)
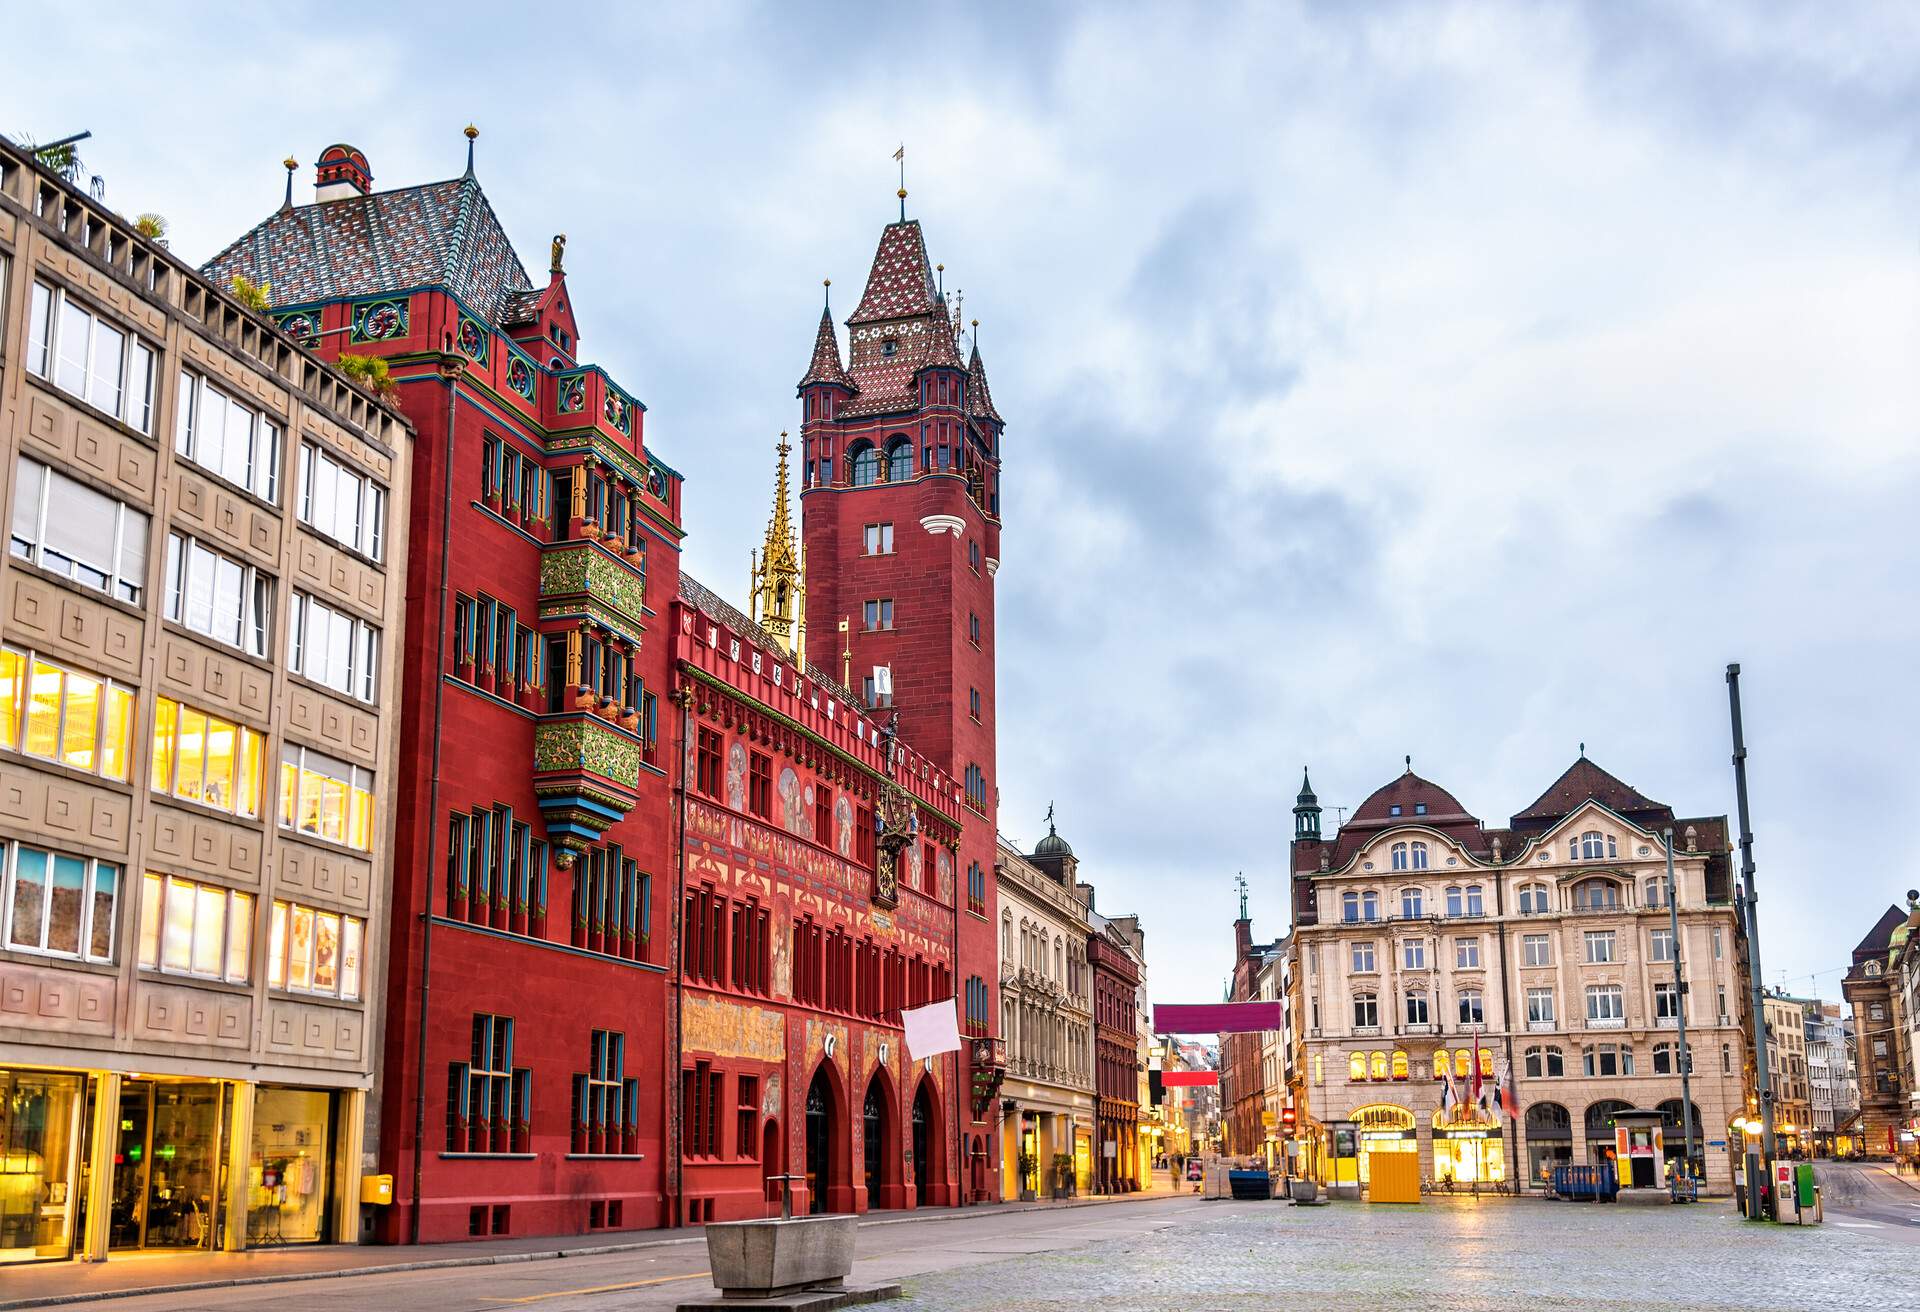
779, 587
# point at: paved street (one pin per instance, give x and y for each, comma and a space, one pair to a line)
1455, 1254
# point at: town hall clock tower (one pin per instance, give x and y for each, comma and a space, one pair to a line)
900, 513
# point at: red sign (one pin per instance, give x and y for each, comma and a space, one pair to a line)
1216, 1017
1190, 1079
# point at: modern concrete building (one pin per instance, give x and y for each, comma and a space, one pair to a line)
1442, 963
197, 728
1046, 1018
1829, 1075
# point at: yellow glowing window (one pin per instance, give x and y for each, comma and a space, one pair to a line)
1486, 1062
195, 929
1379, 1065
1399, 1065
326, 798
203, 758
1357, 1066
1462, 1063
63, 715
1440, 1064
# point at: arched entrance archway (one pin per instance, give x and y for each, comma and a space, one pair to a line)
881, 1151
929, 1155
825, 1184
1674, 1136
1549, 1142
1599, 1127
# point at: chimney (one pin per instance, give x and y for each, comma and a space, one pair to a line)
341, 171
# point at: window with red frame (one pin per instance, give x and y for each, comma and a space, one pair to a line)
496, 871
706, 766
746, 1144
606, 1104
823, 815
863, 836
929, 870
701, 1090
760, 784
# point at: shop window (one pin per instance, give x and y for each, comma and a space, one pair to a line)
195, 929
226, 438
58, 905
1462, 1063
1377, 1066
67, 528
314, 951
326, 798
217, 597
1400, 1067
291, 1160
60, 714
606, 1103
89, 358
1357, 1066
489, 1099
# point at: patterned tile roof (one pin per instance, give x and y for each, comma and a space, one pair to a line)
941, 351
439, 234
979, 395
901, 281
825, 366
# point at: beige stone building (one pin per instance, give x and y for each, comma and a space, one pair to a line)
1787, 1070
199, 610
1046, 1019
1438, 959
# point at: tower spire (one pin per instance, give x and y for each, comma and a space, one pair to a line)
779, 585
289, 164
472, 134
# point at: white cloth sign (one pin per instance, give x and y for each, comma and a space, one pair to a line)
932, 1029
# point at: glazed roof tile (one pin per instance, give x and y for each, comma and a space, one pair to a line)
941, 352
1583, 781
702, 598
979, 395
438, 234
900, 284
825, 366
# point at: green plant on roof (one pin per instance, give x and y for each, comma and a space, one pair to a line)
370, 371
255, 296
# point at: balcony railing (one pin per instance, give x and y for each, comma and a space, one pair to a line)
1542, 1026
1606, 1022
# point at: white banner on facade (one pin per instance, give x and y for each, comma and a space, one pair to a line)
932, 1029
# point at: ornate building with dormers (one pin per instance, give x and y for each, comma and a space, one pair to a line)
1438, 960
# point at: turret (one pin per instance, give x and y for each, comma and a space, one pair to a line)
1306, 812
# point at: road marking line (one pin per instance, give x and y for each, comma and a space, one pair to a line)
596, 1289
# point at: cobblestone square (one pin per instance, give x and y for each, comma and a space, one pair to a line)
1455, 1255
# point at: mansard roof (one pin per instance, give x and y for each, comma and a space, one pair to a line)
437, 234
1581, 782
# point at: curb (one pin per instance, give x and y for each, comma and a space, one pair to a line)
538, 1255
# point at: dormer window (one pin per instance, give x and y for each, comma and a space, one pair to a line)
1419, 808
1592, 846
889, 346
1394, 809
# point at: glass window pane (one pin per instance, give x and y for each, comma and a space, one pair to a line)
166, 737
192, 755
29, 477
333, 809
12, 687
240, 938
70, 370
176, 935
132, 565
326, 952
150, 920
289, 785
199, 588
80, 531
220, 762
300, 950
67, 904
277, 946
80, 739
43, 711
210, 429
116, 732
247, 774
209, 928
29, 897
106, 891
229, 598
109, 364
350, 960
40, 329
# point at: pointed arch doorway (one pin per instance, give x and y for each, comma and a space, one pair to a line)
929, 1157
880, 1144
819, 1141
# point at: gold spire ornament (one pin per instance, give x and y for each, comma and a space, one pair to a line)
778, 585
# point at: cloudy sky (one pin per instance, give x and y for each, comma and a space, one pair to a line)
1467, 382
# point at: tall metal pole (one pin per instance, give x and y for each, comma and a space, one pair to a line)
1680, 990
1763, 1081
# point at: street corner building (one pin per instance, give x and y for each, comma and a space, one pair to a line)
667, 872
1492, 998
199, 725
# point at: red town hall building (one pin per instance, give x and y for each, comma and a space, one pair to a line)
663, 884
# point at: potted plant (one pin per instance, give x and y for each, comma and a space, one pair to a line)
1027, 1164
1062, 1175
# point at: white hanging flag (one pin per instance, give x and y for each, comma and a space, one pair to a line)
932, 1029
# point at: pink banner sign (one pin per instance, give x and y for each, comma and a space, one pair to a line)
1216, 1018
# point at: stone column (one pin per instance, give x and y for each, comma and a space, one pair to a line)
103, 1142
348, 1166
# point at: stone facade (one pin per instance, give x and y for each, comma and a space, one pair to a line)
203, 618
1439, 960
1869, 987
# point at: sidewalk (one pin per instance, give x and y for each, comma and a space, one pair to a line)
1911, 1181
51, 1284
